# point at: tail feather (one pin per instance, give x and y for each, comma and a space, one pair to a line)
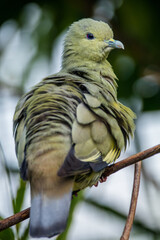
48, 216
50, 194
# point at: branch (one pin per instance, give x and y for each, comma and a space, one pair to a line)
14, 219
131, 160
19, 217
132, 210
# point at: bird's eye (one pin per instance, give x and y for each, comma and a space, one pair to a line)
90, 36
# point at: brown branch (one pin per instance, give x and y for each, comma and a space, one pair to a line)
131, 160
132, 210
14, 219
19, 217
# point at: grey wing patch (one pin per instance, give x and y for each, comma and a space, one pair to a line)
98, 166
73, 166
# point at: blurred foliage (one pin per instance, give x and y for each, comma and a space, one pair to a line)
7, 234
135, 23
16, 203
137, 225
75, 200
40, 23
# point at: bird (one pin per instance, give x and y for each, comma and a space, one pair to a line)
70, 126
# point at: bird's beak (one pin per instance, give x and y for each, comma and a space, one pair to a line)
114, 43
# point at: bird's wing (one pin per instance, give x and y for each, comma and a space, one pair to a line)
19, 131
100, 130
96, 127
97, 138
43, 119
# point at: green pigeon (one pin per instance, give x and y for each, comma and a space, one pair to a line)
71, 126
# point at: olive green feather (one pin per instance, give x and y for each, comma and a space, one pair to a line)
70, 126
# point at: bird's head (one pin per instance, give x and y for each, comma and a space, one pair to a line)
89, 40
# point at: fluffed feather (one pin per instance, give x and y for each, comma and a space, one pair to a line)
70, 126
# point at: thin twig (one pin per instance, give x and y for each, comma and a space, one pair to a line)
132, 210
19, 217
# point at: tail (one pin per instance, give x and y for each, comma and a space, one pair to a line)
50, 201
48, 216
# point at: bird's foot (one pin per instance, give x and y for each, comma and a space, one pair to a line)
101, 180
75, 193
96, 184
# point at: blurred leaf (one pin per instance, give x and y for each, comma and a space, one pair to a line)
74, 203
7, 234
20, 196
18, 201
7, 171
25, 233
141, 227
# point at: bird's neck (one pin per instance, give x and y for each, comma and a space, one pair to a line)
95, 70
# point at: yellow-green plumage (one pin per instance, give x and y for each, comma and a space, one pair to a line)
70, 126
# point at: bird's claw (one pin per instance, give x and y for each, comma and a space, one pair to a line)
101, 180
75, 193
96, 184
